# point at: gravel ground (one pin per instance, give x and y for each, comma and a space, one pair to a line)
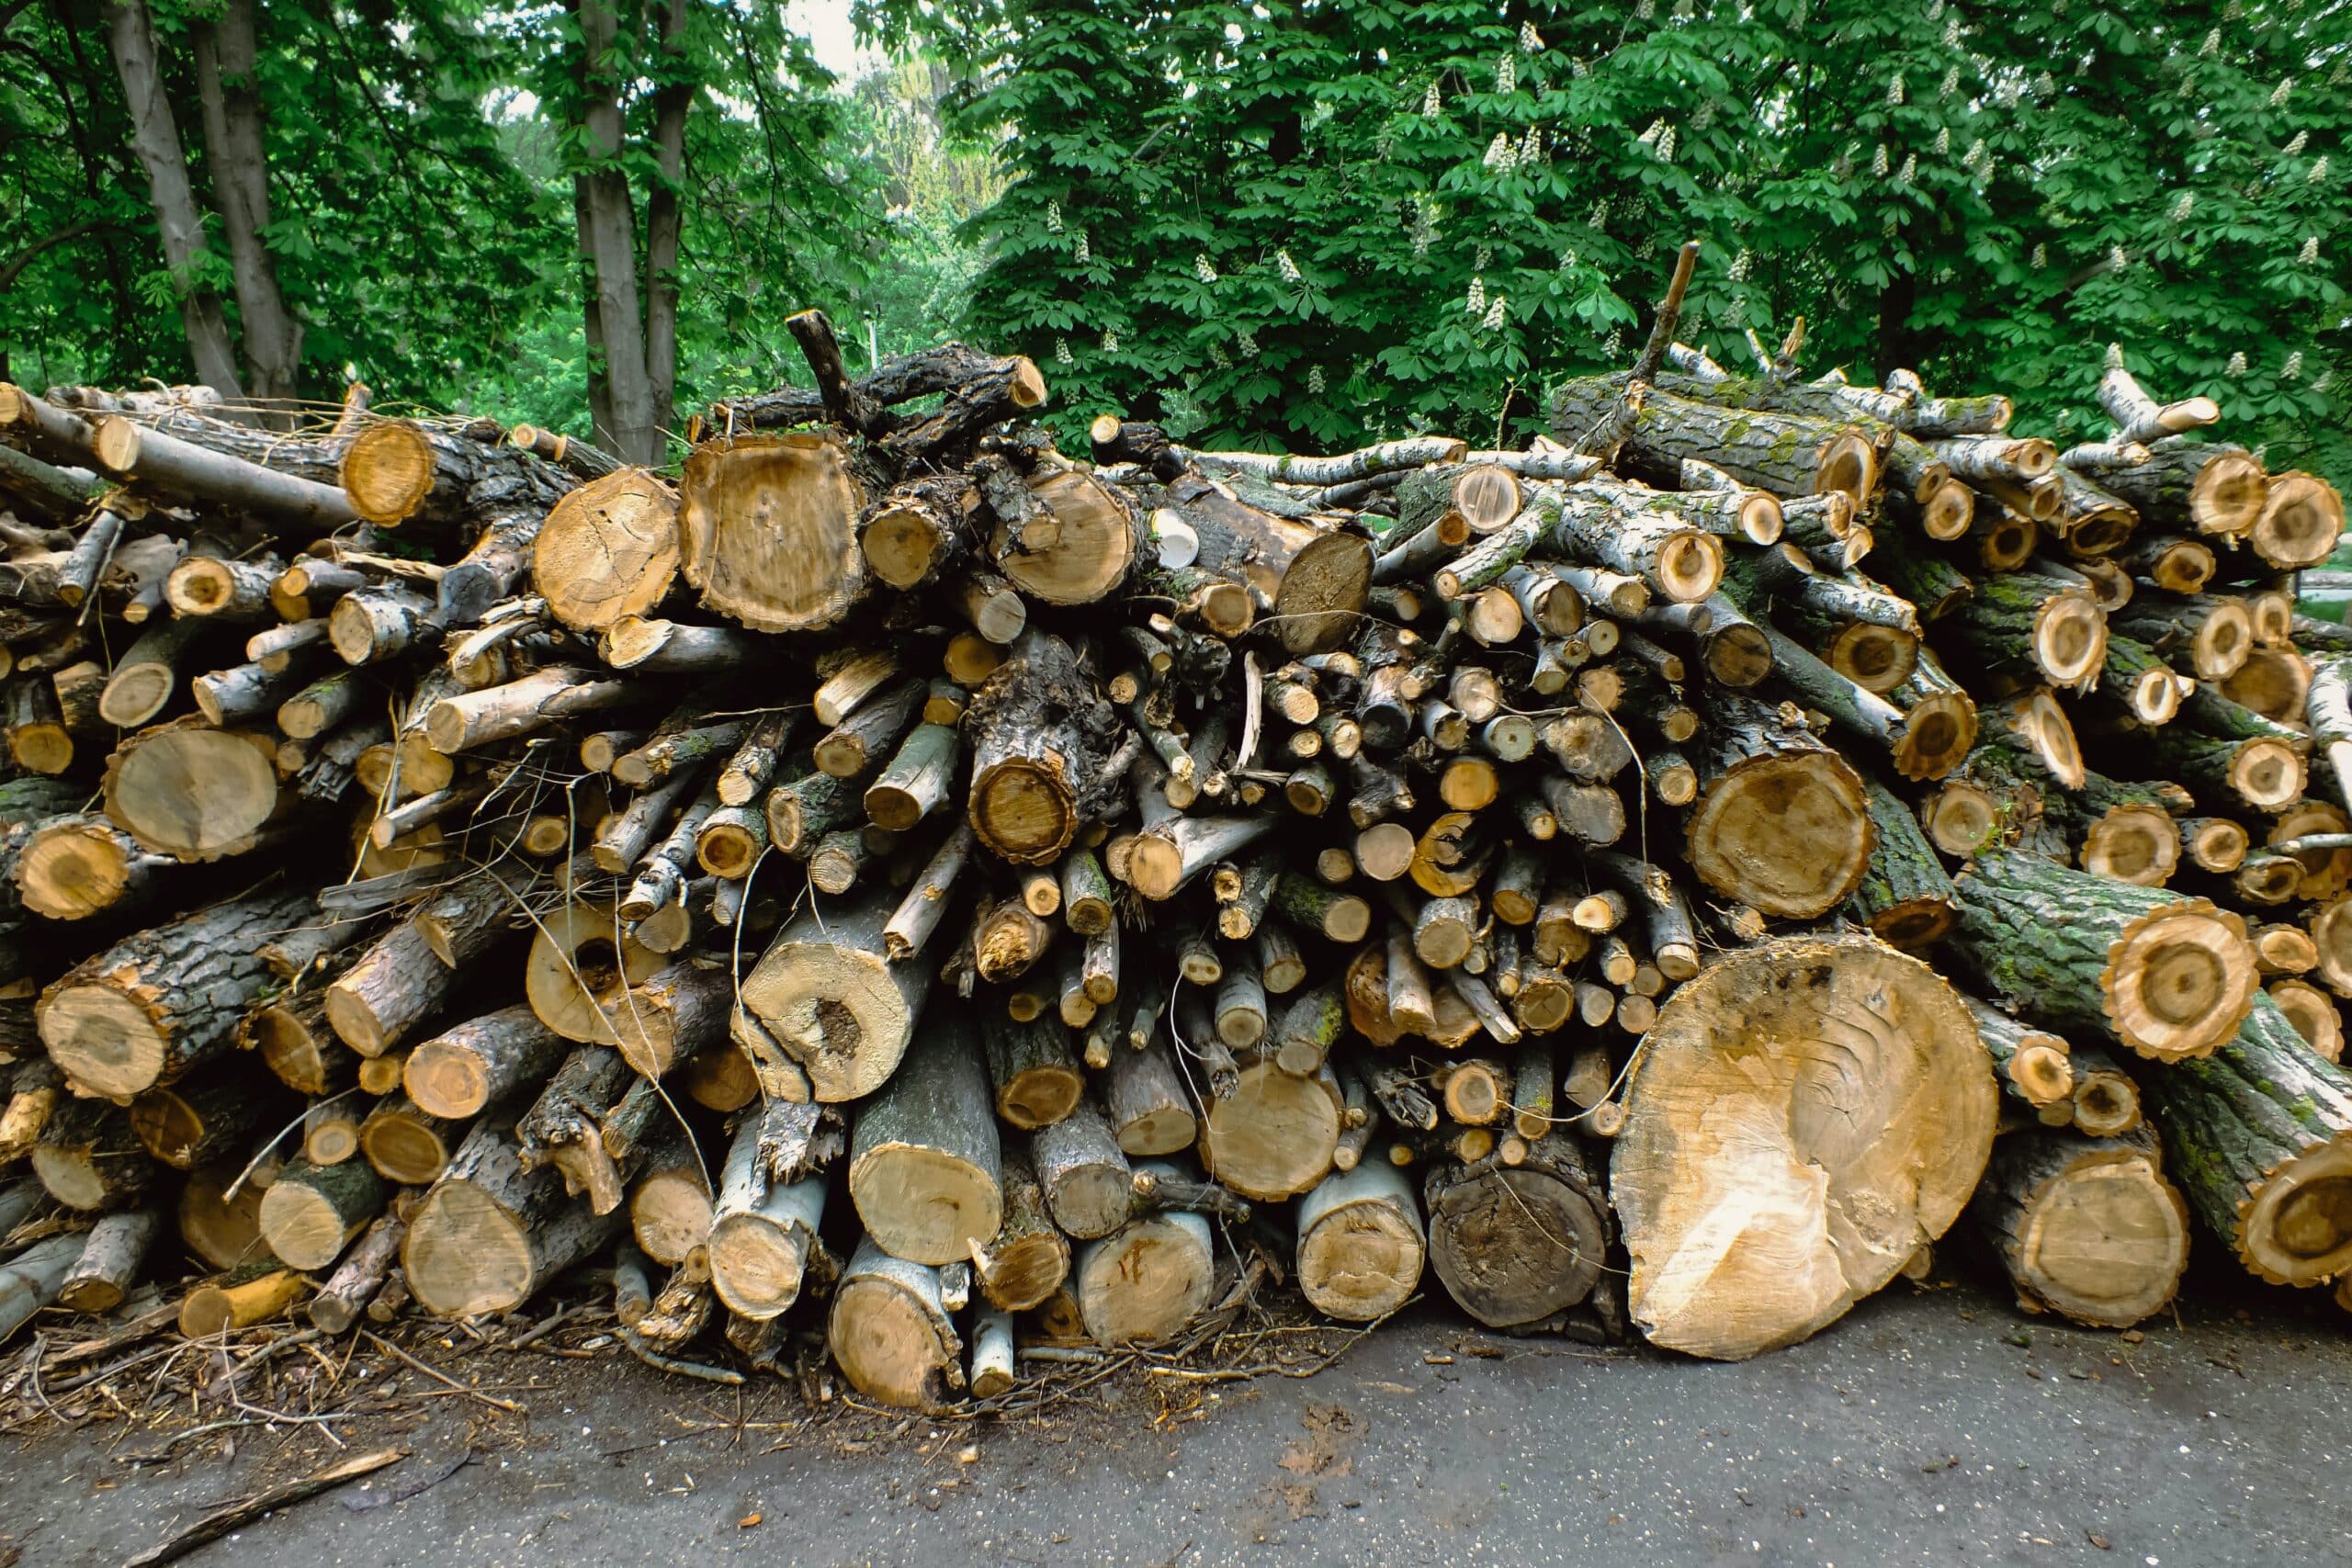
1932, 1426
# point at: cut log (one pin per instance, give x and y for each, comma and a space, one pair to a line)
253, 1294
1905, 897
924, 1161
763, 1241
406, 1145
196, 1123
1145, 1281
1764, 1191
825, 999
489, 1233
2169, 977
766, 529
1027, 1259
109, 1261
191, 791
1782, 822
1359, 1242
311, 1212
2107, 1102
1518, 1247
2088, 1228
33, 1279
669, 1016
356, 1280
608, 549
1063, 537
2031, 1064
395, 986
221, 1228
1271, 1138
581, 958
1034, 1068
1043, 742
1085, 1175
2260, 1139
159, 1002
892, 1333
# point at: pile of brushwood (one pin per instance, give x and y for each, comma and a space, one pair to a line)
898, 878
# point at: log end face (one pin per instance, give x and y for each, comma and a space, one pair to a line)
70, 871
1322, 595
756, 1265
387, 472
465, 1254
889, 1346
445, 1080
1789, 834
303, 1228
1805, 1116
1360, 1262
1024, 810
609, 548
2107, 1243
2298, 1229
2179, 980
1143, 1285
103, 1040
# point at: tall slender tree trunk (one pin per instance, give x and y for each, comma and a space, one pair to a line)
664, 216
611, 224
226, 58
155, 138
599, 384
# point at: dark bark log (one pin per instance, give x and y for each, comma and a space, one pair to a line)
2168, 976
2259, 1137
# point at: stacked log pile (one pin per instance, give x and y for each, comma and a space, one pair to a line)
899, 877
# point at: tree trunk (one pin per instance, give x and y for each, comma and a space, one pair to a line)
608, 226
1905, 897
228, 83
155, 138
924, 1163
1764, 1191
2170, 977
2088, 1228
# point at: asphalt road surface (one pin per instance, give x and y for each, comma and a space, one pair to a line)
1934, 1426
